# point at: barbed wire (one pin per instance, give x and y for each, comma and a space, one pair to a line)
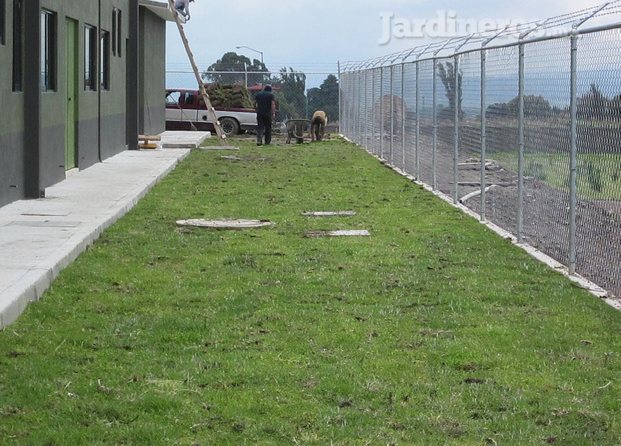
553, 27
254, 73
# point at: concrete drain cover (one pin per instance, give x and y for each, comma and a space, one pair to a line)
349, 233
330, 214
225, 224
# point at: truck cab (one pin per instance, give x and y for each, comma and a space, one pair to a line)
186, 110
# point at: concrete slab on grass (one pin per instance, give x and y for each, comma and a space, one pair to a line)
225, 224
330, 214
183, 139
346, 233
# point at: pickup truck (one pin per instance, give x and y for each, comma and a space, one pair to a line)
185, 111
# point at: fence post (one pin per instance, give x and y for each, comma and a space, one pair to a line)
392, 113
366, 110
483, 132
350, 105
347, 103
355, 105
417, 153
484, 120
343, 101
403, 110
360, 106
456, 133
373, 113
573, 161
435, 124
382, 112
361, 91
520, 210
338, 64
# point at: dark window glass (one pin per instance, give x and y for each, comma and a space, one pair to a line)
90, 58
114, 31
18, 45
48, 50
2, 22
104, 60
119, 32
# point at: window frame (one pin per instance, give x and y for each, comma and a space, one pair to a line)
118, 20
49, 50
117, 32
18, 46
2, 22
91, 44
104, 60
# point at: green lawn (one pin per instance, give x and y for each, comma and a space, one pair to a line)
598, 175
433, 331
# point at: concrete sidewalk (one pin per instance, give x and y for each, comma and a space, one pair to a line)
38, 238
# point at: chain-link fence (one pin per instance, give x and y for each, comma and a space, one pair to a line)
523, 126
299, 94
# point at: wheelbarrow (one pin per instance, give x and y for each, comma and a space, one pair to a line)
296, 129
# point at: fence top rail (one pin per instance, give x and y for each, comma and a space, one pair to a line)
535, 31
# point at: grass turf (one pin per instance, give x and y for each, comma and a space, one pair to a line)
433, 331
598, 176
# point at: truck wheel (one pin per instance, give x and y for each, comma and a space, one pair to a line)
229, 126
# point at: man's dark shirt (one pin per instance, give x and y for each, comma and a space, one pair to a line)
264, 101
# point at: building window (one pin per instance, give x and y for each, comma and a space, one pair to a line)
18, 45
48, 50
104, 60
2, 22
117, 32
114, 30
90, 58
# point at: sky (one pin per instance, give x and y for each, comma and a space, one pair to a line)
314, 35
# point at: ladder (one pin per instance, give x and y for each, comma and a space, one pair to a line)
211, 112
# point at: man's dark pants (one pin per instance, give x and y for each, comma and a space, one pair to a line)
264, 127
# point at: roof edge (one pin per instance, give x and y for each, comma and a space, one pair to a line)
158, 8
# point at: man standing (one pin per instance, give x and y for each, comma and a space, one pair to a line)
265, 105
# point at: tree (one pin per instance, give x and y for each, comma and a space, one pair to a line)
326, 98
290, 92
534, 106
594, 104
232, 61
498, 110
615, 107
447, 75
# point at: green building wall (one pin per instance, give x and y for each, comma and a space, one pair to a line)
152, 98
32, 128
12, 121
